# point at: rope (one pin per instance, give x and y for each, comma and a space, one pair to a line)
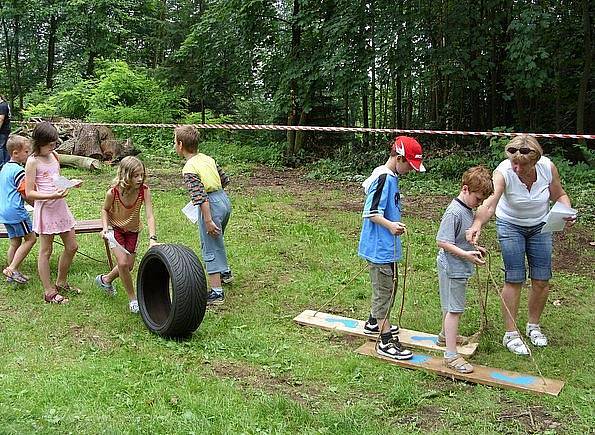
326, 129
340, 291
483, 303
497, 288
394, 289
79, 252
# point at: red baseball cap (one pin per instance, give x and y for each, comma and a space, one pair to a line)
410, 149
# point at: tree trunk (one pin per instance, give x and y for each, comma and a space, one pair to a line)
17, 55
365, 115
49, 80
294, 54
8, 60
584, 84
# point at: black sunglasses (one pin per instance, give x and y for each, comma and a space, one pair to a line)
513, 150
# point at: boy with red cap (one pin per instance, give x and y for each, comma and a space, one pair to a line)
380, 243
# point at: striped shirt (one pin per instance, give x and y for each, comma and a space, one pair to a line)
203, 176
123, 216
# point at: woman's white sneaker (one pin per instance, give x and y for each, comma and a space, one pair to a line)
537, 337
513, 342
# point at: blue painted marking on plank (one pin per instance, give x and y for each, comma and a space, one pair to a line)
519, 380
348, 323
419, 359
433, 339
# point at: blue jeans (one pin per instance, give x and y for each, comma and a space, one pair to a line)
4, 156
213, 248
516, 243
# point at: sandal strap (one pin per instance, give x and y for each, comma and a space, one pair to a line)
459, 364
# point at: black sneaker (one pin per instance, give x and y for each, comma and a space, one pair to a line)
374, 329
393, 349
226, 277
215, 298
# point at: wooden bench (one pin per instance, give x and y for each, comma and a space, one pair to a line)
81, 227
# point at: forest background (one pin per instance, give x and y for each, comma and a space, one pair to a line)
464, 65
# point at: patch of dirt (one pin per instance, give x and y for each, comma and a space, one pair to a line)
427, 418
532, 419
262, 379
85, 335
572, 250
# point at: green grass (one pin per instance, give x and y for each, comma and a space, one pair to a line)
92, 367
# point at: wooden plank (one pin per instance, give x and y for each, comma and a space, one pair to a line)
355, 327
481, 374
80, 227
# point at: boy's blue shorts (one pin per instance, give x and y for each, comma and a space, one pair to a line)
19, 230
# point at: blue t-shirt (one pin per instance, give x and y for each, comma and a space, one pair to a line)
12, 204
376, 243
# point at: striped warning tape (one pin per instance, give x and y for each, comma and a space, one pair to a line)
331, 129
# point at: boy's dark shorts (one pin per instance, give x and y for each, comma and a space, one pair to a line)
19, 230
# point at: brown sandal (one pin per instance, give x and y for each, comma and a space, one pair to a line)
68, 288
55, 298
458, 364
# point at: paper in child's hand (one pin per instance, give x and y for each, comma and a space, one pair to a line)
62, 182
113, 243
191, 212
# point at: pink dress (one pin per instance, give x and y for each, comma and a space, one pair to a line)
50, 216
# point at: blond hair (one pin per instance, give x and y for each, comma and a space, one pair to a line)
189, 136
128, 165
524, 141
15, 143
478, 179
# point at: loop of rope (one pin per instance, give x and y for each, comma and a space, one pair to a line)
326, 129
339, 291
497, 288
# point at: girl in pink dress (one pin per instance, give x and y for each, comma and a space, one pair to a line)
51, 214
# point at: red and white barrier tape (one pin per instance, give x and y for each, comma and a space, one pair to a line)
333, 129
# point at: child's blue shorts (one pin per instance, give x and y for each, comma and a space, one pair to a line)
19, 230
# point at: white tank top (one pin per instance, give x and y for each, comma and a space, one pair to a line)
520, 206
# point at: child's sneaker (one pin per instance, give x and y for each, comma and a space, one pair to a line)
108, 288
374, 329
393, 349
215, 298
226, 277
133, 305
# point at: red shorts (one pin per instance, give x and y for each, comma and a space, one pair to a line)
128, 239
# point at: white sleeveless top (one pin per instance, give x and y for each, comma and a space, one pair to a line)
520, 206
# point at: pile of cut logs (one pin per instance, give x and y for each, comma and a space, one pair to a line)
85, 145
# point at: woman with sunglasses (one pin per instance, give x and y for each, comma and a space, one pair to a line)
524, 185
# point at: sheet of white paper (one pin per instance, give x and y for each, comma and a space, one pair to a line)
62, 182
555, 218
191, 212
113, 243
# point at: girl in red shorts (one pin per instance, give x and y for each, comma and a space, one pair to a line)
121, 214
